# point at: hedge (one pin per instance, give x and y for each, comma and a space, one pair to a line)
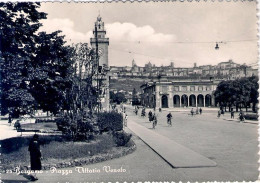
251, 117
110, 121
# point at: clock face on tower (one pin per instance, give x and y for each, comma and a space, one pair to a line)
100, 51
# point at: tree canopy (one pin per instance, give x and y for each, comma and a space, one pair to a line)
118, 97
239, 92
34, 65
135, 100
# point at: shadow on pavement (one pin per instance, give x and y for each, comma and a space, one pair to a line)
14, 181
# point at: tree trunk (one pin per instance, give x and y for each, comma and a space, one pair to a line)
253, 107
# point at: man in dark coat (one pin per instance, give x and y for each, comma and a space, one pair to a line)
150, 116
200, 111
35, 154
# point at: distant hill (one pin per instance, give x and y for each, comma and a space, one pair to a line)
127, 84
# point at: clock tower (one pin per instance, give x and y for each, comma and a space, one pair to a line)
101, 41
100, 44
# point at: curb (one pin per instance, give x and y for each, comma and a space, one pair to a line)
247, 121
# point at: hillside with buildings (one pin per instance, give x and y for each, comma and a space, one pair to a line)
126, 78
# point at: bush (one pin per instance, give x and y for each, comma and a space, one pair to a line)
79, 129
121, 138
62, 123
110, 121
17, 125
251, 117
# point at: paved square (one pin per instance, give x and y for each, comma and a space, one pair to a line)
232, 145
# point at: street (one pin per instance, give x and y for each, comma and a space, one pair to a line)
232, 145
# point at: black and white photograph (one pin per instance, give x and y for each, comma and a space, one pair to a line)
127, 91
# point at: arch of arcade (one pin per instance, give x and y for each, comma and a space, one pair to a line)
183, 93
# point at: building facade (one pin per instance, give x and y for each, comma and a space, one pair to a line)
179, 93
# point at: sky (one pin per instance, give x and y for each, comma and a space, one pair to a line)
162, 32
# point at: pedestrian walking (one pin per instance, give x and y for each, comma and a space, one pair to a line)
219, 113
241, 116
232, 114
222, 112
143, 112
200, 111
154, 117
126, 117
35, 156
9, 119
192, 112
197, 111
150, 116
169, 119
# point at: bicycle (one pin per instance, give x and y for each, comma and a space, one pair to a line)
154, 122
169, 122
241, 119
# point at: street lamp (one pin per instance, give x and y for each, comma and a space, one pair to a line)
216, 47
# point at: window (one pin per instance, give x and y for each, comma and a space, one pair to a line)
184, 88
208, 88
200, 88
164, 89
176, 88
192, 88
99, 36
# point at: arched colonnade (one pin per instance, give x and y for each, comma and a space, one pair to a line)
184, 100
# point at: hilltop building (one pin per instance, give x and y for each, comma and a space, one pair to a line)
223, 70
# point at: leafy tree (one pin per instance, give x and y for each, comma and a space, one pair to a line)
51, 71
135, 100
19, 23
239, 92
81, 96
254, 92
120, 97
112, 96
36, 66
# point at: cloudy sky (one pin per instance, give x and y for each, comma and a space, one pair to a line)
162, 32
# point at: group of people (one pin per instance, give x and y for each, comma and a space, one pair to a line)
198, 111
241, 115
152, 118
123, 112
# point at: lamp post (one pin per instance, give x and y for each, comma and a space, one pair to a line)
1, 35
97, 67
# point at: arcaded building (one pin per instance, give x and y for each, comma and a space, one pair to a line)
179, 93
